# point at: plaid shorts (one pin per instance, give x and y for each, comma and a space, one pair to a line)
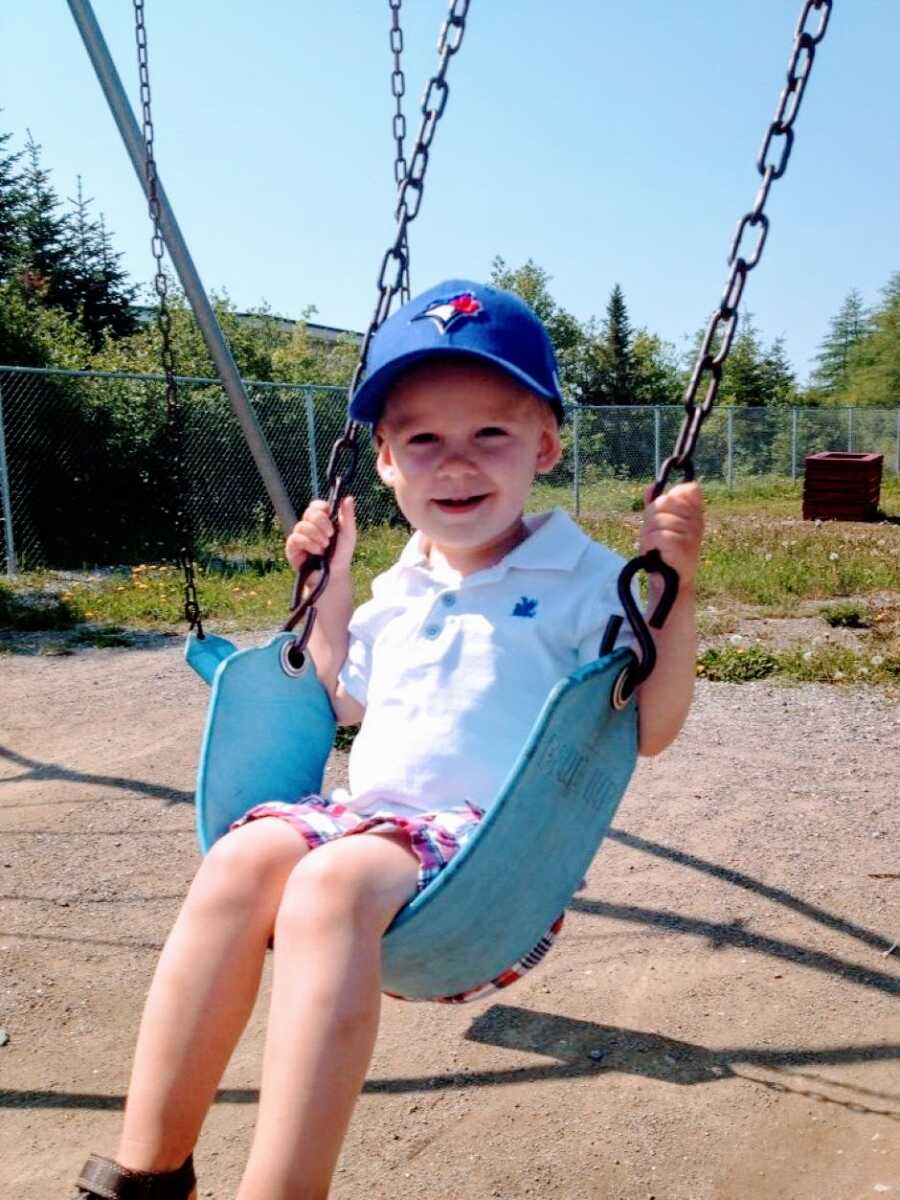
434, 838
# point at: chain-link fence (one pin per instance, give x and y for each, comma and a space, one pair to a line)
86, 476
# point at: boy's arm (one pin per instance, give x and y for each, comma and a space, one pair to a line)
673, 524
665, 698
329, 643
330, 638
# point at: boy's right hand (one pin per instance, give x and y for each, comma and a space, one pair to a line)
313, 531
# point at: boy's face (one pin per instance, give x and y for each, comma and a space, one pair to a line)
460, 444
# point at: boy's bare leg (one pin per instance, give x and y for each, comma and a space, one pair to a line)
203, 992
326, 998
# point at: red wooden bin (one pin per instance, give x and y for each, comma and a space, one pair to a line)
840, 486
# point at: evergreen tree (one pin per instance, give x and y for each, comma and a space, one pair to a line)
743, 377
846, 330
778, 378
47, 267
608, 377
619, 372
754, 376
873, 369
10, 209
100, 289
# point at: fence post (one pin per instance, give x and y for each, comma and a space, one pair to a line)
311, 442
729, 424
656, 440
793, 444
897, 450
576, 421
6, 502
849, 430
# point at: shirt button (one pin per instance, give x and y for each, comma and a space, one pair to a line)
431, 631
449, 599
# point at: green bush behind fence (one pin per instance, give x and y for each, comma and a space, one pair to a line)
86, 472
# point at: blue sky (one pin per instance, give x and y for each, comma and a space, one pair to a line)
610, 142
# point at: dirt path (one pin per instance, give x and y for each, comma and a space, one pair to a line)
720, 1019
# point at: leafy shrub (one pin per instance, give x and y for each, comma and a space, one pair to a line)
737, 665
847, 616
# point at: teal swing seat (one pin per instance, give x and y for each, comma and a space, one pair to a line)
269, 732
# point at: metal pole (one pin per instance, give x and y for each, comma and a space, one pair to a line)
12, 567
793, 443
729, 424
656, 440
311, 442
576, 422
128, 127
849, 430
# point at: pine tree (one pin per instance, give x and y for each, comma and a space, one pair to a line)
100, 290
873, 369
743, 377
46, 266
10, 209
846, 330
619, 368
754, 376
779, 380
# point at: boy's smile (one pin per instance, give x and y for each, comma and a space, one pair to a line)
460, 444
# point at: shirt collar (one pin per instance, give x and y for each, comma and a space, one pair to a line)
554, 543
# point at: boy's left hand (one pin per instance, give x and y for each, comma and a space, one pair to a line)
673, 525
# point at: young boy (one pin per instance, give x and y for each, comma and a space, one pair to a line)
446, 666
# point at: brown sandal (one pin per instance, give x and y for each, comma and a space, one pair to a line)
103, 1179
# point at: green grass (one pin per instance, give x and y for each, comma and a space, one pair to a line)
773, 564
831, 664
780, 497
758, 557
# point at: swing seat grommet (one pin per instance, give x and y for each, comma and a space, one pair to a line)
622, 689
290, 653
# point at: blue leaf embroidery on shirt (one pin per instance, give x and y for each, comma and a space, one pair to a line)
525, 608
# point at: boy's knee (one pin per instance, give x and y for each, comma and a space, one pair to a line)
247, 862
331, 888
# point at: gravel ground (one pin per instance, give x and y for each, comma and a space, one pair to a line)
719, 1019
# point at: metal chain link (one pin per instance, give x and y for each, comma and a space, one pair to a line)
183, 529
394, 266
778, 142
398, 126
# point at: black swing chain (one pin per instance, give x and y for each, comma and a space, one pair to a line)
398, 125
174, 424
394, 268
778, 141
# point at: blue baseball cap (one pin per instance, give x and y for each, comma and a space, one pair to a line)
458, 317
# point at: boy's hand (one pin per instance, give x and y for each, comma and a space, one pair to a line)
673, 525
313, 531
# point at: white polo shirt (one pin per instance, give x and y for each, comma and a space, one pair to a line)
454, 670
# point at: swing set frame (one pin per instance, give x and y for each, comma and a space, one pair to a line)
584, 745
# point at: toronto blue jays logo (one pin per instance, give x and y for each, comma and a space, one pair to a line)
445, 313
525, 607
